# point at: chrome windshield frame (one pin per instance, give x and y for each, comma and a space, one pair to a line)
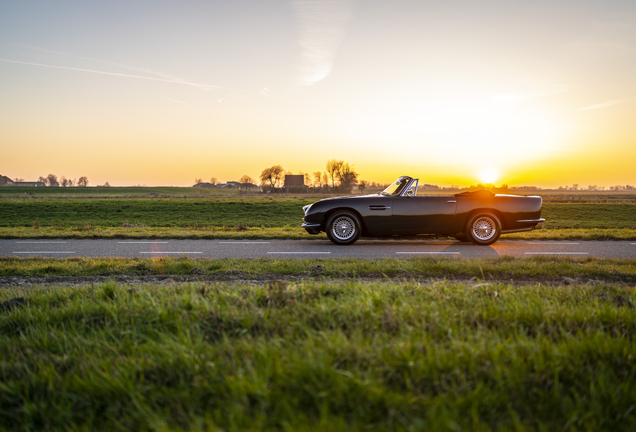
408, 187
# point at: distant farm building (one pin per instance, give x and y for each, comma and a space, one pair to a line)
295, 183
228, 185
6, 181
35, 184
205, 185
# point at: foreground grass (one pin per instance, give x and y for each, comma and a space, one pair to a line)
319, 356
540, 268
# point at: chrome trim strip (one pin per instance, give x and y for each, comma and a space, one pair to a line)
531, 220
310, 225
451, 201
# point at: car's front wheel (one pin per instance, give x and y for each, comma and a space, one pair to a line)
343, 228
483, 229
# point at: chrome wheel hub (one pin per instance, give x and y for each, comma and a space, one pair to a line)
343, 228
484, 228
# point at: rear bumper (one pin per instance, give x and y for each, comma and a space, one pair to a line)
311, 228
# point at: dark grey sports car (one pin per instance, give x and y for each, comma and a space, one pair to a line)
479, 217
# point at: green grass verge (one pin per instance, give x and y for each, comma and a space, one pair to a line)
261, 212
504, 268
336, 356
250, 217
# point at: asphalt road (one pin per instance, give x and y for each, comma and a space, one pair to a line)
61, 248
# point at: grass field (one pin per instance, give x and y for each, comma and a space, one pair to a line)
319, 355
196, 213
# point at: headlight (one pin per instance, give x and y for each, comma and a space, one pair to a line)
306, 208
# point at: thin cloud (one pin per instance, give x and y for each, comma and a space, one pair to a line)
603, 105
265, 91
321, 26
207, 86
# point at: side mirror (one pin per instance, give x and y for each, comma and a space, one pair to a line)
409, 192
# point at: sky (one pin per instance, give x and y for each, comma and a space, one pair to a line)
131, 92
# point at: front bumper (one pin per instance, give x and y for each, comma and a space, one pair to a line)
312, 228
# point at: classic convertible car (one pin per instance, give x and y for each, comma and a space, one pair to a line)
479, 217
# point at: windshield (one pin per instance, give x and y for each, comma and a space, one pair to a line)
396, 187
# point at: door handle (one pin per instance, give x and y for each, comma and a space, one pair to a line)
452, 201
378, 207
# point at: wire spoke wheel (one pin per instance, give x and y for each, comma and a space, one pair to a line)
343, 228
484, 228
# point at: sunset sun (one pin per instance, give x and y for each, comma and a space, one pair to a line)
488, 176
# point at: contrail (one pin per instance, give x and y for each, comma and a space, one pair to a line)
117, 74
159, 74
603, 105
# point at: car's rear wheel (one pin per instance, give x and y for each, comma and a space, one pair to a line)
483, 229
343, 228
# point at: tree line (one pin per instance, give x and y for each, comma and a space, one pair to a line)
338, 176
52, 180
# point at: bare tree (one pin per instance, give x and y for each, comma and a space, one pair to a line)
325, 179
317, 178
63, 181
347, 176
362, 186
52, 180
83, 181
72, 182
214, 180
272, 175
246, 179
106, 184
44, 180
333, 167
198, 180
307, 179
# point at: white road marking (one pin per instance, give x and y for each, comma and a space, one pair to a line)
448, 253
48, 252
553, 243
557, 253
298, 252
243, 242
40, 242
170, 252
142, 242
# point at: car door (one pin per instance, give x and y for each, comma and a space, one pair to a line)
428, 214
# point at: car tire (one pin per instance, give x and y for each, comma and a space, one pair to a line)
462, 238
343, 228
483, 229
